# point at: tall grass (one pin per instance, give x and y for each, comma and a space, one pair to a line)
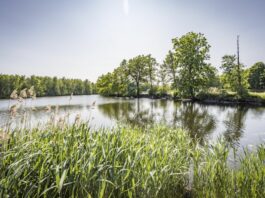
75, 161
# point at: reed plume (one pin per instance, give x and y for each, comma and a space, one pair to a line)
48, 108
23, 93
31, 92
14, 94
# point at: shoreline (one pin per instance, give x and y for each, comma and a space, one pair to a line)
224, 101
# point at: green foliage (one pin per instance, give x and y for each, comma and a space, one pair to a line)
138, 71
78, 162
129, 78
234, 77
191, 52
105, 85
75, 161
44, 86
151, 72
169, 67
256, 76
185, 72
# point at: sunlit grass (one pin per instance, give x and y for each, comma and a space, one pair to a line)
260, 95
75, 161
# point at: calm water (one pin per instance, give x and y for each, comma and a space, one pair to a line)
239, 125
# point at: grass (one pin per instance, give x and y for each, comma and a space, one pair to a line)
260, 95
76, 161
225, 96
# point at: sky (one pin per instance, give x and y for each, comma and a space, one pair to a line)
87, 38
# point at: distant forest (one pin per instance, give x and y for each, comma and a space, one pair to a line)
45, 86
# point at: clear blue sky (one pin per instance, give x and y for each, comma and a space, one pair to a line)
86, 38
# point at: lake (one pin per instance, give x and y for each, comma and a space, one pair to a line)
240, 125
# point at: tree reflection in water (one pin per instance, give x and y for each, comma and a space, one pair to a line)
199, 120
194, 118
131, 112
235, 124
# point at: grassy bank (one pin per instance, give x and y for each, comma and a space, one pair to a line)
220, 97
216, 96
76, 161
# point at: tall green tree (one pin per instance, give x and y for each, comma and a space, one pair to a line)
121, 81
105, 85
137, 71
151, 72
170, 65
212, 78
162, 76
191, 51
256, 76
233, 77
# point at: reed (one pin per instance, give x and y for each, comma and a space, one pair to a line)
157, 161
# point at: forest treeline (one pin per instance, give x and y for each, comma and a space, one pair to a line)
45, 86
185, 72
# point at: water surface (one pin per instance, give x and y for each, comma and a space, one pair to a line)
240, 125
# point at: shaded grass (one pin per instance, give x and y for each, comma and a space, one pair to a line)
123, 162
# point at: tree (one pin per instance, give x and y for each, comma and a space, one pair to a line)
170, 65
137, 71
233, 75
162, 79
151, 70
105, 85
191, 52
256, 76
121, 81
44, 86
212, 77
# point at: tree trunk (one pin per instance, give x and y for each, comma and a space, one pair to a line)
138, 89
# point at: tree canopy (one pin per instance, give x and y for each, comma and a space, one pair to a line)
45, 86
191, 52
256, 78
185, 70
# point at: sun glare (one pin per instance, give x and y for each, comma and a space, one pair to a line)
126, 7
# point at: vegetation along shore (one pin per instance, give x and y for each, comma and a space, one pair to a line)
157, 161
187, 74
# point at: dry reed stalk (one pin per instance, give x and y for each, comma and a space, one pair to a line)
77, 118
48, 108
4, 136
13, 110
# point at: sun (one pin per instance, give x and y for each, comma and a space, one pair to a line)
126, 7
